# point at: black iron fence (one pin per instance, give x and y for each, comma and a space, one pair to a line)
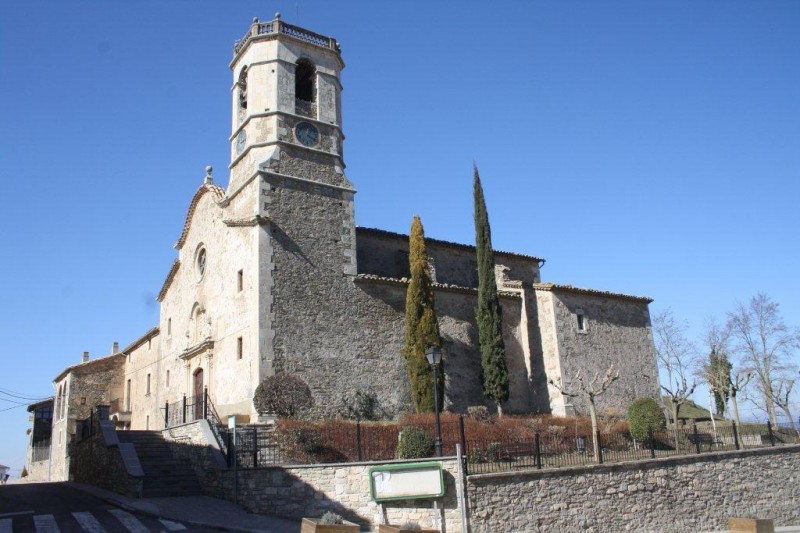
295, 442
188, 409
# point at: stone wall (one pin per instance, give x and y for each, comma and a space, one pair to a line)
38, 470
694, 493
616, 332
310, 491
385, 253
98, 461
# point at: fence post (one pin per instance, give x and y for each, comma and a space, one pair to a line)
537, 450
358, 440
166, 415
771, 435
599, 448
255, 447
205, 403
696, 437
651, 443
229, 447
183, 420
735, 435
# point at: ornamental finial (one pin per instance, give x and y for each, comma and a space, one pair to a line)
209, 177
255, 20
278, 15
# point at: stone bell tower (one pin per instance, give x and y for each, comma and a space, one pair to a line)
286, 162
286, 104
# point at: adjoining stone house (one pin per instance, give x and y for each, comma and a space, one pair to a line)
272, 274
78, 390
37, 460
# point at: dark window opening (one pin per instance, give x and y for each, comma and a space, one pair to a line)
304, 89
240, 280
581, 323
240, 347
242, 85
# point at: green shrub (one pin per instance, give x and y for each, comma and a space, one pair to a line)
414, 443
645, 414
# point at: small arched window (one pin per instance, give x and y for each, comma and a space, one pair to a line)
305, 88
241, 84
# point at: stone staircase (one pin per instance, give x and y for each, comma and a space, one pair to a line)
164, 474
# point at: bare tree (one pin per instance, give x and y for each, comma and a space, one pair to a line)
589, 391
739, 380
765, 344
676, 357
783, 393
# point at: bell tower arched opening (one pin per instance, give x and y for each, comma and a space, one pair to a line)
305, 91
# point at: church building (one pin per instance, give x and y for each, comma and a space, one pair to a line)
272, 274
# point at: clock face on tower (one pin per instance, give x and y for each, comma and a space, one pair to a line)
240, 141
307, 134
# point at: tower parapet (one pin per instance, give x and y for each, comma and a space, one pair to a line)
271, 29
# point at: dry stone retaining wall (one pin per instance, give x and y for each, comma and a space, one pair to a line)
666, 495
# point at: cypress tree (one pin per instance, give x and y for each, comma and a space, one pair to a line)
422, 328
489, 314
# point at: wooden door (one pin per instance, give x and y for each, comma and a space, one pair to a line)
198, 394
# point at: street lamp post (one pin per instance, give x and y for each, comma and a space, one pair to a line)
434, 356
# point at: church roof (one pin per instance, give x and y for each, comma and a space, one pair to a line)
219, 194
592, 292
449, 244
441, 286
167, 282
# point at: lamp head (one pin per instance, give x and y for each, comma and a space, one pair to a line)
434, 355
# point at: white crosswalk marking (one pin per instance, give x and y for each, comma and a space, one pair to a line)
129, 521
45, 523
170, 525
5, 525
89, 523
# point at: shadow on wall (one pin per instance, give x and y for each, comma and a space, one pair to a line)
308, 491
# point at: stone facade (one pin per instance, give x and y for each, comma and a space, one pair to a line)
695, 493
79, 389
272, 274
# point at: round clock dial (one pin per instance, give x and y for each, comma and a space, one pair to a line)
241, 140
307, 134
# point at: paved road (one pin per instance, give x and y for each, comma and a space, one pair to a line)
55, 508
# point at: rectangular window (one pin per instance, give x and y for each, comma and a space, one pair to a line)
240, 347
128, 396
147, 422
240, 280
581, 320
148, 385
169, 327
167, 378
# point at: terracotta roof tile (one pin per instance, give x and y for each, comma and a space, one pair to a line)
592, 292
441, 286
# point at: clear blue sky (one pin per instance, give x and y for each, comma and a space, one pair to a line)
650, 148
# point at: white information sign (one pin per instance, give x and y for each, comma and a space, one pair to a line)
406, 482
